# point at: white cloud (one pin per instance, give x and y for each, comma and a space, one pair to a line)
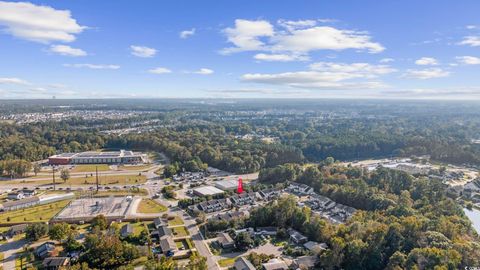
204, 71
245, 35
67, 50
473, 41
292, 25
295, 37
187, 33
468, 60
159, 70
280, 57
142, 51
386, 60
38, 23
92, 66
426, 61
470, 27
428, 73
327, 75
13, 81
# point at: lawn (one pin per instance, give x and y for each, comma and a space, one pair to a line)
226, 262
135, 167
103, 179
180, 231
90, 168
175, 221
140, 191
149, 206
37, 213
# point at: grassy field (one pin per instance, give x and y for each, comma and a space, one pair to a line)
33, 214
149, 206
227, 262
104, 180
135, 167
180, 231
90, 168
175, 221
140, 191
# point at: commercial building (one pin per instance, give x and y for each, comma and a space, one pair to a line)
228, 184
207, 191
111, 157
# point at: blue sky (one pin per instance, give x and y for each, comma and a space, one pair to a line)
254, 49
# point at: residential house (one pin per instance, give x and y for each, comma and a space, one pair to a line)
15, 195
225, 240
244, 198
29, 192
297, 237
315, 246
157, 222
167, 245
270, 231
126, 230
56, 263
16, 229
242, 263
45, 250
275, 264
306, 262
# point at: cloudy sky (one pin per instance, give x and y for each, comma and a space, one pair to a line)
427, 49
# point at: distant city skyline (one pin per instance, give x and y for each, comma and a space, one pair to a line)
249, 49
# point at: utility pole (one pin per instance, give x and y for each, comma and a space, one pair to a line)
96, 174
53, 174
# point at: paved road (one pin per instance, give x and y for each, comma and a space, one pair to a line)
10, 250
191, 225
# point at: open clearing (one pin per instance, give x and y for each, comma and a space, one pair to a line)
149, 206
33, 214
90, 168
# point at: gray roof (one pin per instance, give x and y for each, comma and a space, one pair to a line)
167, 243
56, 261
164, 230
224, 238
243, 264
126, 229
21, 202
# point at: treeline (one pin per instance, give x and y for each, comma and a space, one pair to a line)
194, 148
406, 223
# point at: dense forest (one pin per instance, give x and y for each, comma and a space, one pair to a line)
410, 223
230, 136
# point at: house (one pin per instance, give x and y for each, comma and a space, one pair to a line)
299, 189
16, 230
161, 232
270, 231
275, 264
29, 192
306, 262
45, 250
157, 222
126, 230
315, 246
55, 263
244, 198
15, 195
167, 245
297, 237
225, 240
242, 263
270, 193
213, 205
231, 215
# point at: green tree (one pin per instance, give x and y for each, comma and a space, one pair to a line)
59, 231
36, 231
65, 174
99, 222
